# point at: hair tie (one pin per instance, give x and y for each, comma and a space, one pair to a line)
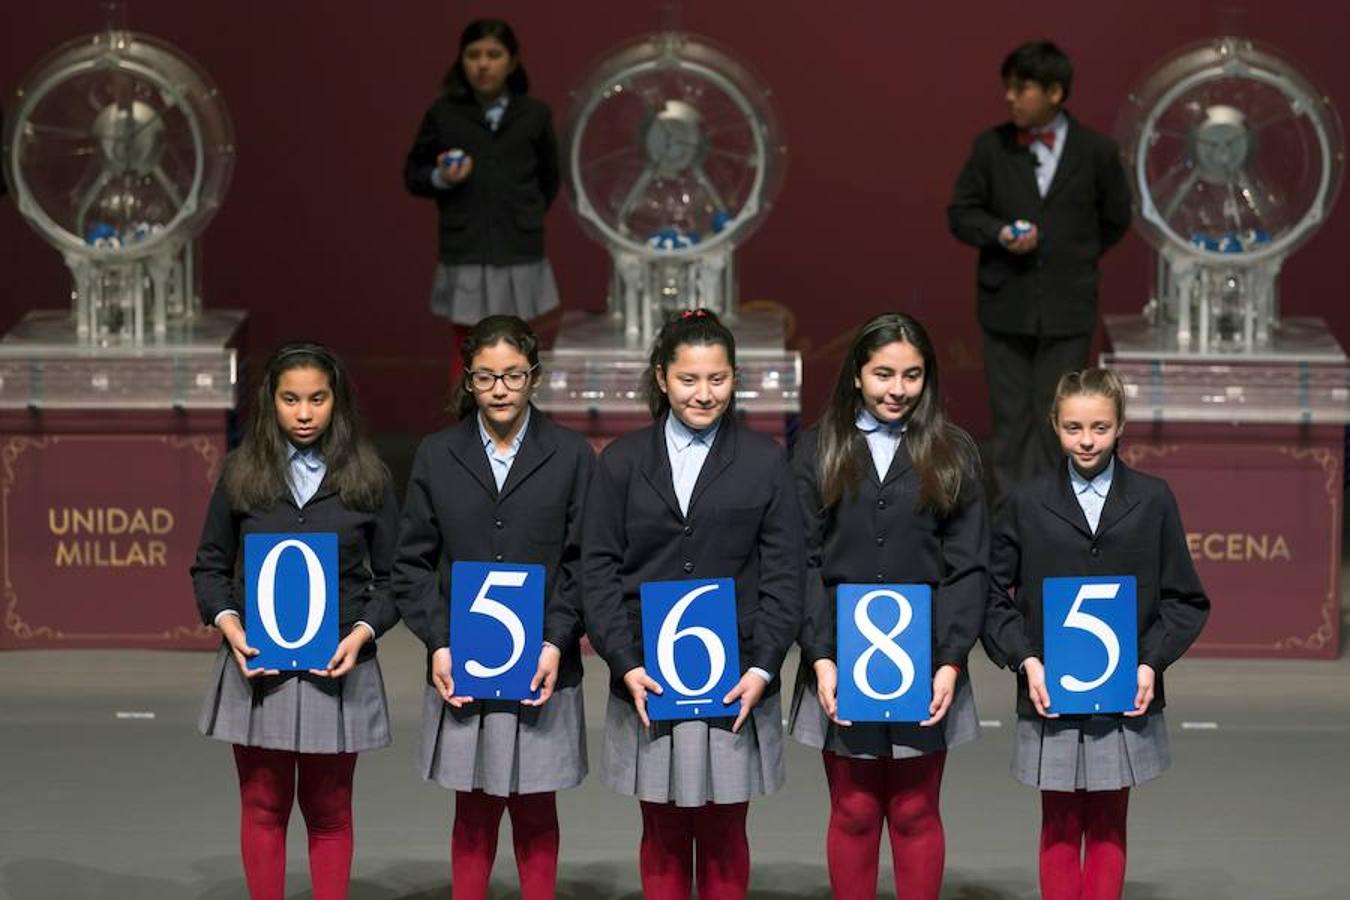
699, 313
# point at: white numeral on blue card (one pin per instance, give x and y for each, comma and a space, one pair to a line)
1091, 643
267, 594
884, 652
485, 606
671, 634
496, 615
883, 642
1097, 628
290, 599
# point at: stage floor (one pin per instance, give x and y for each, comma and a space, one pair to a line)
108, 792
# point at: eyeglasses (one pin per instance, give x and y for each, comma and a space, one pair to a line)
515, 380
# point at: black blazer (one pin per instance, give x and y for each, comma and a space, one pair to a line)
1052, 290
365, 554
875, 534
495, 216
1041, 533
453, 511
742, 524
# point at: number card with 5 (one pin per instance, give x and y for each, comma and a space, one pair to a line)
496, 629
884, 652
1091, 643
291, 599
690, 647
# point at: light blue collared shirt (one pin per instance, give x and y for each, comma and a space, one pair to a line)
500, 461
305, 472
1091, 495
494, 111
688, 450
1047, 158
882, 439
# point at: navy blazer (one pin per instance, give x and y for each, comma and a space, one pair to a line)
453, 511
365, 553
1053, 289
742, 524
1041, 533
876, 534
496, 215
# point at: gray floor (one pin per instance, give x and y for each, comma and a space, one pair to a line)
100, 800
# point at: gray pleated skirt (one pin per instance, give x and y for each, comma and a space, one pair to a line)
1094, 754
502, 748
300, 712
882, 740
466, 293
693, 762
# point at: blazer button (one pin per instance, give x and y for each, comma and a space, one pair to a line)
1095, 550
688, 530
881, 579
881, 504
499, 524
300, 519
498, 557
881, 542
688, 567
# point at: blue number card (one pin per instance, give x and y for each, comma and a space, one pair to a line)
291, 599
690, 647
496, 629
1091, 643
884, 652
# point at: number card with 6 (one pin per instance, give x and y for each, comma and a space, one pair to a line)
884, 652
496, 629
1091, 643
291, 599
690, 647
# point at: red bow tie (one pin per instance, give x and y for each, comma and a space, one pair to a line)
1027, 138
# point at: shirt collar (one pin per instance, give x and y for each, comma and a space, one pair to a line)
681, 435
309, 456
868, 423
1057, 125
489, 441
1100, 484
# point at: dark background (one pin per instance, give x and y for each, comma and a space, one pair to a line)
879, 101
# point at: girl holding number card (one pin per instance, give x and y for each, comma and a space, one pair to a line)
504, 484
889, 491
1094, 516
303, 466
695, 495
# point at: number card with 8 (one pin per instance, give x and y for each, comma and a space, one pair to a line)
496, 629
291, 599
690, 647
884, 652
1091, 643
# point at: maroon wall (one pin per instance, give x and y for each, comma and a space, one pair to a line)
879, 102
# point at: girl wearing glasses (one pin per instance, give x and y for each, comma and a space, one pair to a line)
504, 484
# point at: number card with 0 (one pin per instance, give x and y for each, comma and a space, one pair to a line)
291, 599
1091, 643
884, 652
496, 629
690, 647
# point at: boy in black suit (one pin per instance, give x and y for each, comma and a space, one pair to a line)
1042, 197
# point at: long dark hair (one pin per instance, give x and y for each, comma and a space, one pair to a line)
943, 454
692, 327
488, 332
256, 476
456, 86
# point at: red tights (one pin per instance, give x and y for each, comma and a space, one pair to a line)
267, 788
670, 835
1083, 844
903, 793
473, 842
